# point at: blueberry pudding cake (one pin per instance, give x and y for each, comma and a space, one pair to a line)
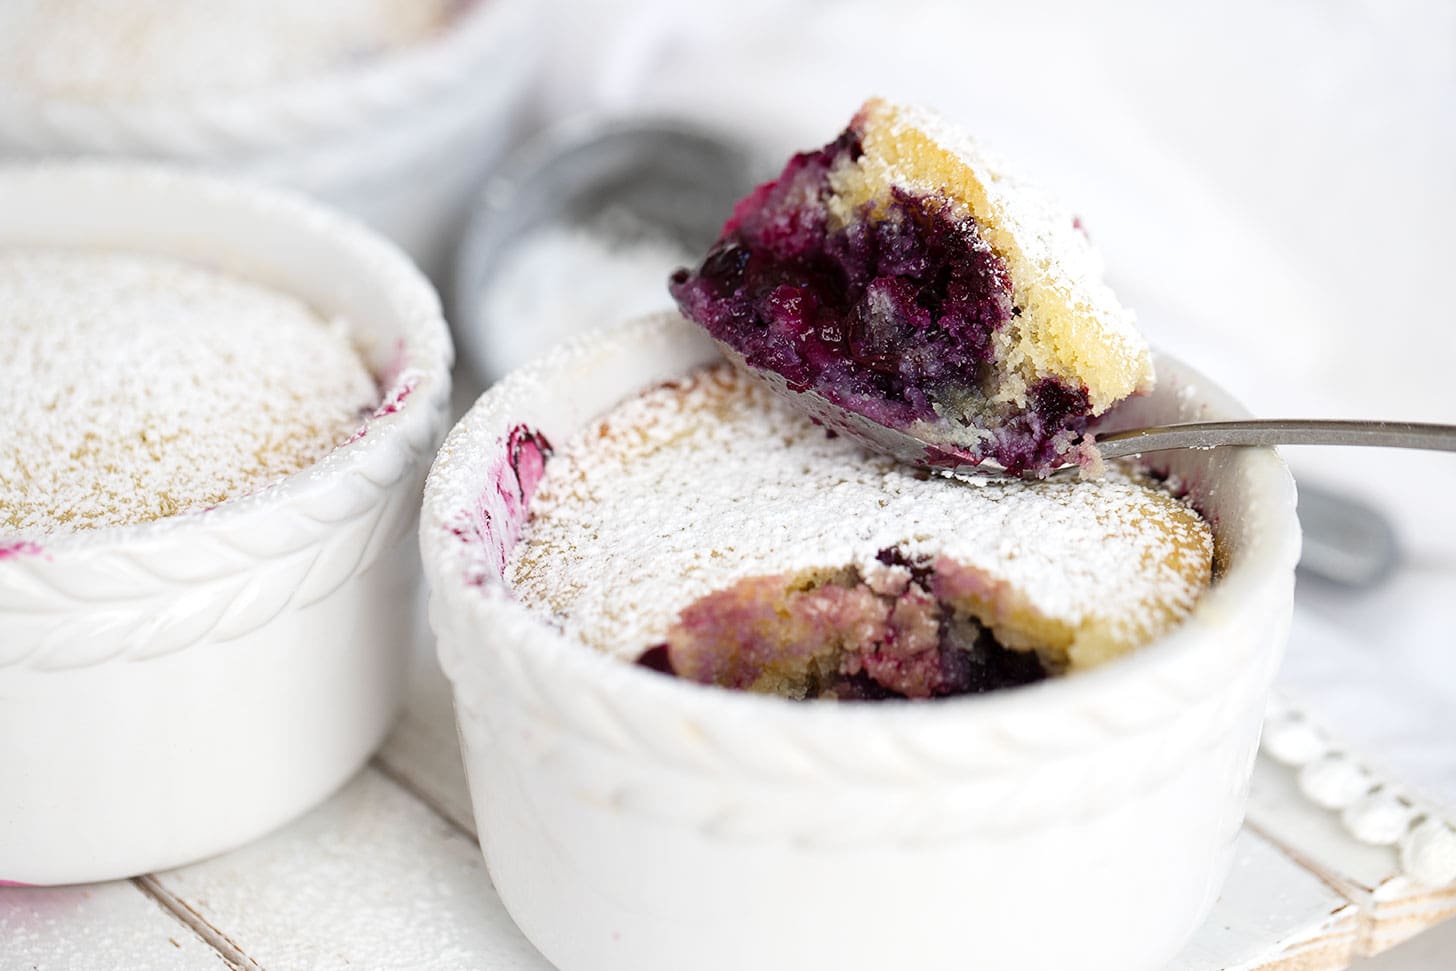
903, 275
707, 529
135, 387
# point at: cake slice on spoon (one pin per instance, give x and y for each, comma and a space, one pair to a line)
906, 290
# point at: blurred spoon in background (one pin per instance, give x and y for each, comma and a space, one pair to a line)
1346, 541
581, 226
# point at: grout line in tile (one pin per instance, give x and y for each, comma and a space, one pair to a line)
1351, 891
380, 765
214, 938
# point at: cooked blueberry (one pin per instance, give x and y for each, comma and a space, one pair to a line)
657, 658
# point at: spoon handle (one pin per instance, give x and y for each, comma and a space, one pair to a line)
1278, 431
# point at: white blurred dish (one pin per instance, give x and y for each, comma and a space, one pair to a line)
399, 138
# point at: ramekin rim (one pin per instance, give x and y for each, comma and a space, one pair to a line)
429, 352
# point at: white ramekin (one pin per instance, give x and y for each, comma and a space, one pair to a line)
173, 689
399, 139
634, 821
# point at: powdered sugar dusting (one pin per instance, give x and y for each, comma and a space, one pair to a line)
709, 480
138, 387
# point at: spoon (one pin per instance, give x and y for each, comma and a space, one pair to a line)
1346, 541
904, 446
1278, 431
685, 178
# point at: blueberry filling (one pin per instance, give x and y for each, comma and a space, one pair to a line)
843, 637
658, 658
891, 315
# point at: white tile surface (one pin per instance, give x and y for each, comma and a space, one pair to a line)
101, 927
1269, 906
372, 879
